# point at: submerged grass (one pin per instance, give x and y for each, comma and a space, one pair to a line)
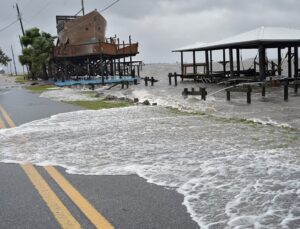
101, 104
39, 88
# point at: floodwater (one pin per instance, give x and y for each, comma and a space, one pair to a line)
237, 165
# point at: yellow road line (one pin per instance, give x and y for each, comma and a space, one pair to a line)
60, 212
7, 118
83, 204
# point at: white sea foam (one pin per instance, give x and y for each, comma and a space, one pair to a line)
232, 174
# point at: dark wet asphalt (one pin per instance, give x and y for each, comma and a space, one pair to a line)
128, 202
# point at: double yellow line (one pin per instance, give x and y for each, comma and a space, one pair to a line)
56, 206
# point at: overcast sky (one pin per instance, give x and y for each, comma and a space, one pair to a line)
158, 25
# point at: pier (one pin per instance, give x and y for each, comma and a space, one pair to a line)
264, 72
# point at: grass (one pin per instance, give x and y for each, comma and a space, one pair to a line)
20, 79
101, 104
39, 88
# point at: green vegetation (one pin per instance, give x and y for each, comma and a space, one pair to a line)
4, 59
40, 88
101, 104
21, 79
38, 47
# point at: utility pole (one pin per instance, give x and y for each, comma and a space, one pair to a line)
13, 56
10, 68
20, 19
82, 7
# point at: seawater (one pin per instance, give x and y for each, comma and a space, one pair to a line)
237, 165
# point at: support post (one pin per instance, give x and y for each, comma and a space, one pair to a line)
289, 62
181, 54
146, 81
263, 91
296, 56
262, 63
238, 66
279, 67
249, 94
207, 62
152, 81
224, 62
194, 62
231, 63
228, 95
130, 58
170, 79
211, 61
185, 92
286, 90
175, 78
203, 93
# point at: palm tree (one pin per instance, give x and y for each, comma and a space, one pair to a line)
37, 51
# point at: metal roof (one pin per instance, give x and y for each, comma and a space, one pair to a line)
250, 39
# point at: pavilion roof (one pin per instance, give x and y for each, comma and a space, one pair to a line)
269, 36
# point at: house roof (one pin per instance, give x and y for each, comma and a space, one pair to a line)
251, 39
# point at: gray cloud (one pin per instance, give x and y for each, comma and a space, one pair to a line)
159, 25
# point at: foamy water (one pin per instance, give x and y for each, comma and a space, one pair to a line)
232, 174
237, 165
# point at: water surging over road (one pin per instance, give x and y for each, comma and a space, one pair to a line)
232, 173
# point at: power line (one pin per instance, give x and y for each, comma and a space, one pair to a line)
109, 6
9, 25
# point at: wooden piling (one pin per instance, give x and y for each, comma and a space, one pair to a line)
146, 81
228, 95
152, 81
175, 77
263, 91
249, 94
286, 90
203, 93
170, 79
185, 92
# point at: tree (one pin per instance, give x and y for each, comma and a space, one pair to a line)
37, 51
4, 59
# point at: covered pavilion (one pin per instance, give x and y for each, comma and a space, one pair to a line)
262, 38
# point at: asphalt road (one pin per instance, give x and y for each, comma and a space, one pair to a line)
127, 202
